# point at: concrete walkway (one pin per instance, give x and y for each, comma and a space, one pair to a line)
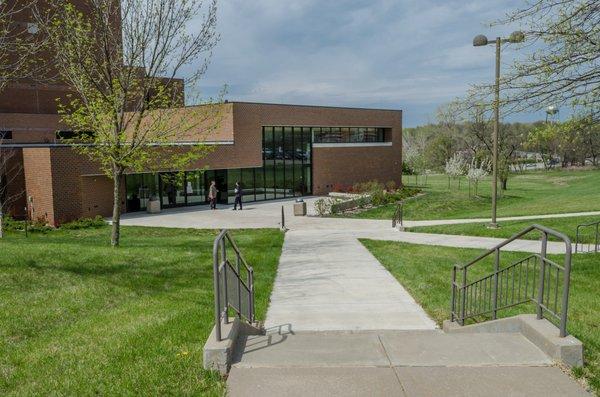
438, 222
330, 281
267, 214
339, 324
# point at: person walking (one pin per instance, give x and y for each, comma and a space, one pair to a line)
238, 196
212, 195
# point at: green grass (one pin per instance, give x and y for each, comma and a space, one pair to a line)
425, 271
531, 193
80, 318
567, 226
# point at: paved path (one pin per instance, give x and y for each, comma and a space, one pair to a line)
267, 214
330, 281
501, 219
339, 324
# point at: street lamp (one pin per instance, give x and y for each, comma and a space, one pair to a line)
551, 111
479, 41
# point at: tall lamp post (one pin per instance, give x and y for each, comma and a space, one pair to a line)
479, 41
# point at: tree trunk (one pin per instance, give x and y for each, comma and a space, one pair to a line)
1, 224
504, 183
116, 218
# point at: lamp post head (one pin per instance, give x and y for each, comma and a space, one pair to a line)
480, 40
516, 37
551, 110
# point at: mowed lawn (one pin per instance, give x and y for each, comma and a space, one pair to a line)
80, 318
530, 193
567, 226
425, 271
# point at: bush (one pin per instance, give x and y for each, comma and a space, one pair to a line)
406, 170
84, 223
39, 225
323, 206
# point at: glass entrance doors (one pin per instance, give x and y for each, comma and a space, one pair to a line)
172, 193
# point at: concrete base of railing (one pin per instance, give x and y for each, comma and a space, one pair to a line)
542, 333
218, 355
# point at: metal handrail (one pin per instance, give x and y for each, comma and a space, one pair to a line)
229, 296
398, 219
580, 243
535, 279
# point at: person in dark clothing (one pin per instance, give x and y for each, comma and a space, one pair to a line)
238, 196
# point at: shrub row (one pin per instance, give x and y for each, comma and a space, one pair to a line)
41, 226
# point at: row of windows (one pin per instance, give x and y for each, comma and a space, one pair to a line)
350, 134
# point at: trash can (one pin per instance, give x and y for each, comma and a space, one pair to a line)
299, 207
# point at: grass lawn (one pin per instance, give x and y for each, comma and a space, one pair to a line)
425, 271
80, 318
567, 226
531, 193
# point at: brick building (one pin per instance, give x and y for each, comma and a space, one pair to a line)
274, 150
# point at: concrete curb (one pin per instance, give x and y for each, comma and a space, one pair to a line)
542, 333
218, 356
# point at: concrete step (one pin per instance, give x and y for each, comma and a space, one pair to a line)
403, 381
386, 348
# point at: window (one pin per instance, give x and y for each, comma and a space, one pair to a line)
67, 134
5, 135
349, 134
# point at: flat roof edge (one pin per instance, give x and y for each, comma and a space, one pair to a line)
310, 106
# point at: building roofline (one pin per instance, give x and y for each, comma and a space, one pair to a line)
311, 106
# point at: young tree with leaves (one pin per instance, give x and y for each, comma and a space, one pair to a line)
121, 59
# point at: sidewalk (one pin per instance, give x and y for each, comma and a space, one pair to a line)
327, 280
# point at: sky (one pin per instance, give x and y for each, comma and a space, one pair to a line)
413, 55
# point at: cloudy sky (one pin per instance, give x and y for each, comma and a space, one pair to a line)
398, 54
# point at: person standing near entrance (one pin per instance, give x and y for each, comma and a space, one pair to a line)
212, 195
238, 196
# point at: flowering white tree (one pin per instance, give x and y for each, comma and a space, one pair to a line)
477, 170
415, 160
455, 168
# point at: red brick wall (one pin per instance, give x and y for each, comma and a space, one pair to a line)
331, 166
38, 181
97, 196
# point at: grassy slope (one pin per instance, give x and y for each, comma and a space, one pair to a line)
567, 226
426, 271
532, 193
80, 318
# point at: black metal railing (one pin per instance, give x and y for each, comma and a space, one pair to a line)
398, 219
535, 279
588, 237
233, 282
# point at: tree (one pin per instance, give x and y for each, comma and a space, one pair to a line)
477, 170
560, 57
10, 169
455, 168
478, 136
121, 60
18, 44
414, 158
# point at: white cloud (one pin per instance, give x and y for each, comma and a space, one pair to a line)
407, 54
